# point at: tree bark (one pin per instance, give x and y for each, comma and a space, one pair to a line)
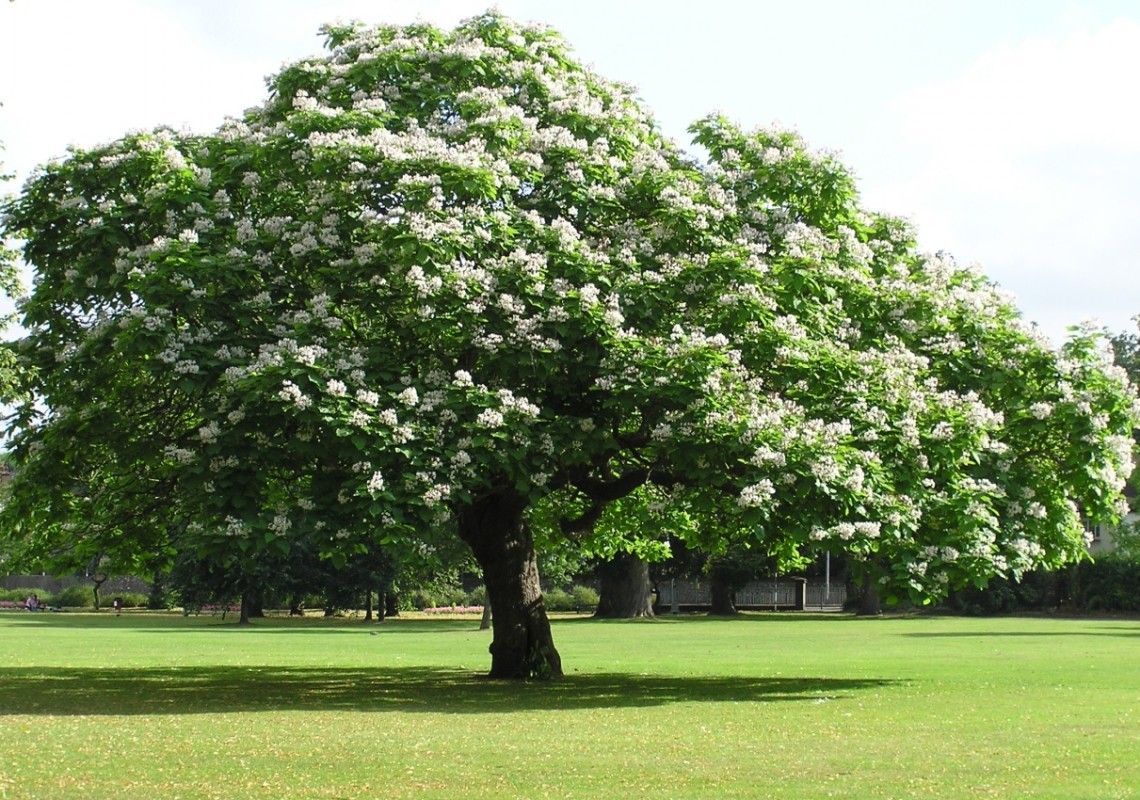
381, 605
625, 589
869, 603
521, 646
485, 622
246, 602
723, 597
98, 580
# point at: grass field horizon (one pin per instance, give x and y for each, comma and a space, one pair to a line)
767, 705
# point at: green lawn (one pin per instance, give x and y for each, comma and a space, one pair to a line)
770, 706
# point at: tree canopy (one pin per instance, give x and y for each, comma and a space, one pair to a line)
442, 278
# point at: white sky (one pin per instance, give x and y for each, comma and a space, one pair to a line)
1009, 132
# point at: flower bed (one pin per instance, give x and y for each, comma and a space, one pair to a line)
454, 610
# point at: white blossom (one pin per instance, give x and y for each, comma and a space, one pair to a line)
376, 482
490, 418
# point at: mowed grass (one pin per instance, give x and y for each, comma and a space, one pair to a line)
768, 706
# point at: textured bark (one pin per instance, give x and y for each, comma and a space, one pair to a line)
625, 589
485, 622
522, 645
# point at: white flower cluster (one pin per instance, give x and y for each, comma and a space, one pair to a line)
291, 393
756, 495
376, 482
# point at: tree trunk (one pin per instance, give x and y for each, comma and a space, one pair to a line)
368, 606
381, 605
391, 604
723, 596
869, 604
98, 580
626, 591
485, 622
522, 645
246, 602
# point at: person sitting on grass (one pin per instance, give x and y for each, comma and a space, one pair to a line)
32, 603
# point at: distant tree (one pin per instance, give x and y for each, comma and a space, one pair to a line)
1126, 351
439, 278
10, 289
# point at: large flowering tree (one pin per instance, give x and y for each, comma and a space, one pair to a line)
441, 278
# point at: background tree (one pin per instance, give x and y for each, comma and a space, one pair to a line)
10, 289
1126, 351
440, 276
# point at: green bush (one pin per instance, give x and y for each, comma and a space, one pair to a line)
130, 599
1111, 583
558, 600
160, 597
75, 597
579, 598
423, 598
585, 598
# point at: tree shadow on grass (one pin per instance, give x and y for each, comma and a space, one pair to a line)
147, 622
1114, 631
209, 690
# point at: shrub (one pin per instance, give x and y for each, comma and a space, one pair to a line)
558, 600
421, 599
585, 598
160, 597
75, 597
1111, 583
130, 599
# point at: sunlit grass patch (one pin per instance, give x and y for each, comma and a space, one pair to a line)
765, 706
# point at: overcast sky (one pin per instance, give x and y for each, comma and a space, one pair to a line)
1009, 132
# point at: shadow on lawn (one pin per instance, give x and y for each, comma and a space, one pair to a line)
166, 624
1113, 631
207, 690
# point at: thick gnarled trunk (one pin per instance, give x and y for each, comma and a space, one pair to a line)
522, 645
625, 589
